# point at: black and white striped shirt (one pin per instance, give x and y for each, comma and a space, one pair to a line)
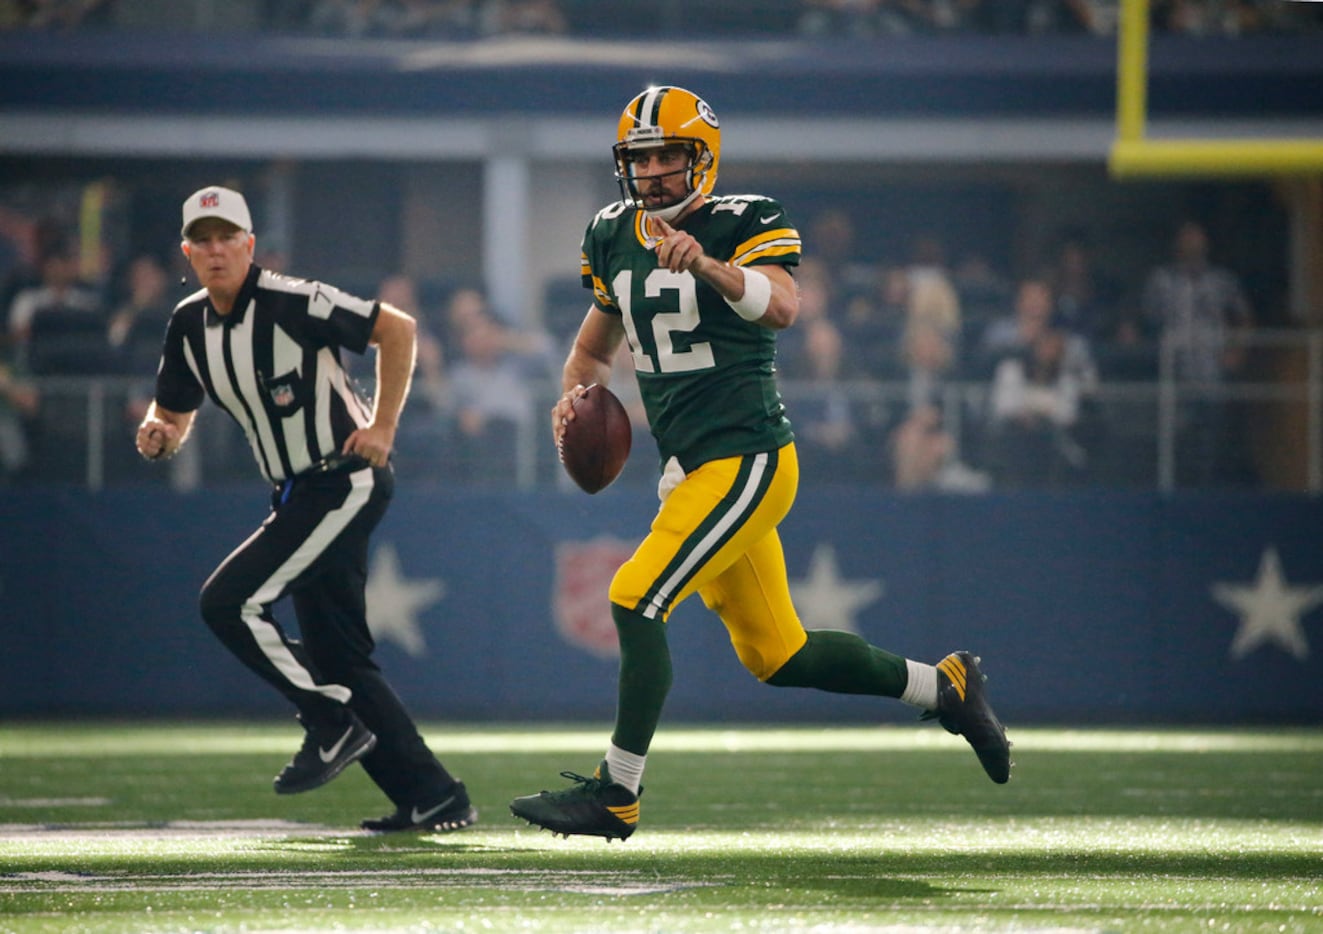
273, 363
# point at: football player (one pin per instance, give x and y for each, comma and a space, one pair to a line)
698, 285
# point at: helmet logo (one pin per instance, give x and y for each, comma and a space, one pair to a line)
709, 117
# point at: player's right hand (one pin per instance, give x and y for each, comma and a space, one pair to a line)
677, 250
563, 411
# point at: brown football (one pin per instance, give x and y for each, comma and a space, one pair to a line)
596, 441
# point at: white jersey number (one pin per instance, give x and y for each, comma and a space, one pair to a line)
666, 359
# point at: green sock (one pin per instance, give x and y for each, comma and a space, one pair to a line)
645, 679
842, 663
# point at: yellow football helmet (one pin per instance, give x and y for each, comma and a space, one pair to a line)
663, 116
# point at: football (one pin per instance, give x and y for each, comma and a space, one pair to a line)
595, 444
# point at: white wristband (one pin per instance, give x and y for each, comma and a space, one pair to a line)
752, 305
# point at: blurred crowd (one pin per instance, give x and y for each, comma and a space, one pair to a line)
1000, 380
921, 372
917, 374
467, 19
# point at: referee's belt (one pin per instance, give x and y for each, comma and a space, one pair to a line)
328, 466
336, 463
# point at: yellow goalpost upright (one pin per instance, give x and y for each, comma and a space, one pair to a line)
1134, 155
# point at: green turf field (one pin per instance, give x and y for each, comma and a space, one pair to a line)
174, 827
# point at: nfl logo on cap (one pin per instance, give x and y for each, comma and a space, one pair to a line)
222, 203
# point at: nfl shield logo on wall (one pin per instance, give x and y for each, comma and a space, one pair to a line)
583, 577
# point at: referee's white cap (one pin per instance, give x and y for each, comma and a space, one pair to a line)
213, 201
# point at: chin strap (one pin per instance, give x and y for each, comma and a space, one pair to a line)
671, 213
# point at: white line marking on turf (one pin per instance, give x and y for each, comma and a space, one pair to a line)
584, 882
172, 829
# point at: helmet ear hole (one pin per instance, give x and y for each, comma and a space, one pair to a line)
703, 159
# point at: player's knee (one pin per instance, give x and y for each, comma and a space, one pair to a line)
625, 589
760, 662
616, 593
795, 671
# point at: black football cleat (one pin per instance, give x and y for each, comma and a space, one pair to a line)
596, 807
448, 812
963, 709
326, 752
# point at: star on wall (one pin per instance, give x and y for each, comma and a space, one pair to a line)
826, 600
393, 603
1270, 610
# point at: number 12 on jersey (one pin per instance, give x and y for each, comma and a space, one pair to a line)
662, 284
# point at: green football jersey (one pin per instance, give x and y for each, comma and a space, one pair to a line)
706, 376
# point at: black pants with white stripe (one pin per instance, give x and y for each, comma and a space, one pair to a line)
313, 547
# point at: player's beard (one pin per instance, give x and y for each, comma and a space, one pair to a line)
659, 200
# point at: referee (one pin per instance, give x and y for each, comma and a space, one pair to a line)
266, 349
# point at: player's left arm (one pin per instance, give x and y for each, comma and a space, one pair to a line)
763, 294
395, 335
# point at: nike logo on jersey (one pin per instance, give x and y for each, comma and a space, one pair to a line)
769, 218
328, 755
416, 816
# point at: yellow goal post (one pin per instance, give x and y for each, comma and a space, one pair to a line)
1134, 155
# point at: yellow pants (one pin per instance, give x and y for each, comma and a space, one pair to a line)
715, 533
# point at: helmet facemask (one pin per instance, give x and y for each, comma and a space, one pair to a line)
663, 117
695, 170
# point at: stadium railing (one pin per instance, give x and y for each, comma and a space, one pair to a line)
1274, 412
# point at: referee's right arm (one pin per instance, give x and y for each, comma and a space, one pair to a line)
395, 335
162, 432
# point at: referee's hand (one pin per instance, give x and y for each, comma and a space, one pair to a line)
157, 439
372, 443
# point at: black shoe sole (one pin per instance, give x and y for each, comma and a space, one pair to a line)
566, 831
448, 824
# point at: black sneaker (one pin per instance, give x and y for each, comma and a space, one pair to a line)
452, 811
326, 752
596, 807
962, 707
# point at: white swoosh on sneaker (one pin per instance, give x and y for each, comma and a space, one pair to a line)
416, 816
327, 755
